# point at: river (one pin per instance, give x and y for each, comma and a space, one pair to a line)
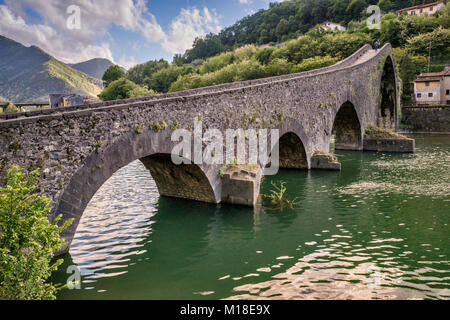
379, 229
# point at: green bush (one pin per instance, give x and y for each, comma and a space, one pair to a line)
123, 89
278, 67
113, 73
27, 239
217, 62
10, 108
315, 63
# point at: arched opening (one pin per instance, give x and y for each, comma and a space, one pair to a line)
347, 129
388, 97
187, 181
292, 152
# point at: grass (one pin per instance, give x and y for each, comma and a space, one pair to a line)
374, 132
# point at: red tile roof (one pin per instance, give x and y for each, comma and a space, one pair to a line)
432, 76
420, 6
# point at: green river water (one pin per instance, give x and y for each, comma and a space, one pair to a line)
379, 229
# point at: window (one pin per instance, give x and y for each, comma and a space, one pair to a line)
419, 95
447, 92
421, 10
431, 8
427, 84
413, 12
430, 95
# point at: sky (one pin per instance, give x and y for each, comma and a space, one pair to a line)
126, 32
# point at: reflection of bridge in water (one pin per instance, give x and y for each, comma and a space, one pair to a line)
79, 148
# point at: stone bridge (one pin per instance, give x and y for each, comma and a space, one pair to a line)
78, 148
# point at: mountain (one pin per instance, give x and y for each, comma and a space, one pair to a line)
28, 74
94, 67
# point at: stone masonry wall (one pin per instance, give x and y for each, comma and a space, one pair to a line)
427, 119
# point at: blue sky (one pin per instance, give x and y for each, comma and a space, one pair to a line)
126, 31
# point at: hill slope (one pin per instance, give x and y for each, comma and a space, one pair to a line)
94, 67
30, 74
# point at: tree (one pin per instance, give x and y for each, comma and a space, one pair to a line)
123, 89
27, 239
141, 73
113, 73
162, 80
11, 108
385, 5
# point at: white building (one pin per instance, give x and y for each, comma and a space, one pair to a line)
333, 26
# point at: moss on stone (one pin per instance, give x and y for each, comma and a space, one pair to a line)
374, 132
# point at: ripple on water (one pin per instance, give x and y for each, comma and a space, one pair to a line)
113, 227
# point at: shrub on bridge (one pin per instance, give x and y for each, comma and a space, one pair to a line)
27, 239
10, 108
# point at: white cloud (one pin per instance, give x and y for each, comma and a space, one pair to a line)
97, 16
127, 62
190, 24
245, 1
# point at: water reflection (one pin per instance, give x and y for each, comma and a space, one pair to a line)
377, 230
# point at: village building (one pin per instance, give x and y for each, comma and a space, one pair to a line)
421, 9
433, 88
58, 100
333, 26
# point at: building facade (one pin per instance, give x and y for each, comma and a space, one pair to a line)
433, 88
422, 9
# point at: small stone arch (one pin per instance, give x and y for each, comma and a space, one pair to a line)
293, 147
188, 181
387, 110
347, 128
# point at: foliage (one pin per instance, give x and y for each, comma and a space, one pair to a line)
112, 74
276, 199
278, 67
162, 79
142, 73
408, 67
439, 39
10, 108
217, 62
123, 89
316, 63
374, 132
27, 239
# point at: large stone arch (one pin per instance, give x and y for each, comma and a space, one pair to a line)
188, 181
347, 128
387, 106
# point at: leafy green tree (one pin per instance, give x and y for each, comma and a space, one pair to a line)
11, 108
163, 79
27, 239
385, 5
315, 63
142, 73
408, 67
265, 55
123, 89
113, 73
278, 67
391, 30
439, 40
